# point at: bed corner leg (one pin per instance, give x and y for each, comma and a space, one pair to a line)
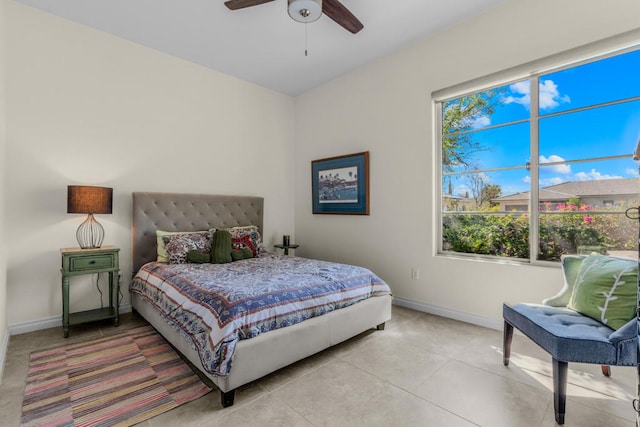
380, 327
227, 398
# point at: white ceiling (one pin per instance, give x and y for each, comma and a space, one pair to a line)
262, 44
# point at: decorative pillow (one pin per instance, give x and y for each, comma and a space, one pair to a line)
161, 249
244, 253
570, 268
606, 290
244, 242
197, 257
221, 250
247, 237
179, 245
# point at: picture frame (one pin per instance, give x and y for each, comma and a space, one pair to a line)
340, 185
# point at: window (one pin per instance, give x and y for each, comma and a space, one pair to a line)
542, 167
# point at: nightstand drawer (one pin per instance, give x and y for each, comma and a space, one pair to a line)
91, 262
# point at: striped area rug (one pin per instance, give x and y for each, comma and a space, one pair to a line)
119, 380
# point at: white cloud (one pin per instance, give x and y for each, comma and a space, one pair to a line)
548, 182
563, 169
593, 175
477, 121
480, 121
553, 170
461, 189
633, 172
523, 89
549, 95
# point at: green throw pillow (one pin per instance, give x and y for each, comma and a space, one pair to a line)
570, 267
221, 248
197, 257
244, 253
606, 290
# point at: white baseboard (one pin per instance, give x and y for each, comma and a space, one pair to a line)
51, 322
4, 347
35, 325
452, 314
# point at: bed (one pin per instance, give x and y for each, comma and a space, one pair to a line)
265, 352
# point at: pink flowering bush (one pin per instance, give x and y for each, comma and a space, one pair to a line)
563, 229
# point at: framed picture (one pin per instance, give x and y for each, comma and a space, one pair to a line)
340, 185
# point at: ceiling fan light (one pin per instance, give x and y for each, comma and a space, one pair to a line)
305, 10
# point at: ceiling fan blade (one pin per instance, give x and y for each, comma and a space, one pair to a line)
241, 4
343, 17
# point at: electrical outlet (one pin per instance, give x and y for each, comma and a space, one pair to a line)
415, 273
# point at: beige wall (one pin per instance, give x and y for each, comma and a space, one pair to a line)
4, 335
85, 107
385, 107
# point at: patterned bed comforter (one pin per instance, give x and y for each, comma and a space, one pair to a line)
215, 305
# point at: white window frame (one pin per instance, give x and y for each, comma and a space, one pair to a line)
613, 46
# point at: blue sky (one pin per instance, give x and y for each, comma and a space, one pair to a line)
606, 131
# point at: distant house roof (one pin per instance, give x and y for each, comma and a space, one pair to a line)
458, 198
595, 188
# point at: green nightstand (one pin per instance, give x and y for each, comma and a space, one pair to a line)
76, 262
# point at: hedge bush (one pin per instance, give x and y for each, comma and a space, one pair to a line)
508, 235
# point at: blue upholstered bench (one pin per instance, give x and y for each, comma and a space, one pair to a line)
569, 336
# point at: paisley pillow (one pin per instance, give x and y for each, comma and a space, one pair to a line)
162, 250
179, 245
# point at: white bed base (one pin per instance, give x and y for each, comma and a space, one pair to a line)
270, 351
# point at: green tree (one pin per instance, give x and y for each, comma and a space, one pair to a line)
490, 192
460, 115
574, 201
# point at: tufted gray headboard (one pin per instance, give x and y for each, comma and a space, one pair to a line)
186, 212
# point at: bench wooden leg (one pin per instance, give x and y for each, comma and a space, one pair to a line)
380, 327
507, 336
606, 370
560, 371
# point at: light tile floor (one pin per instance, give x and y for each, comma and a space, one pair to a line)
422, 370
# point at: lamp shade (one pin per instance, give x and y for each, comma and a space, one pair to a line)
84, 199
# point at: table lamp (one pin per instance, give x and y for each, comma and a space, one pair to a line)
89, 200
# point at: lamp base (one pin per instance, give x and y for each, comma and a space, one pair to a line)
90, 233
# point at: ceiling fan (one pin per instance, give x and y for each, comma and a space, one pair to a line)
309, 11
